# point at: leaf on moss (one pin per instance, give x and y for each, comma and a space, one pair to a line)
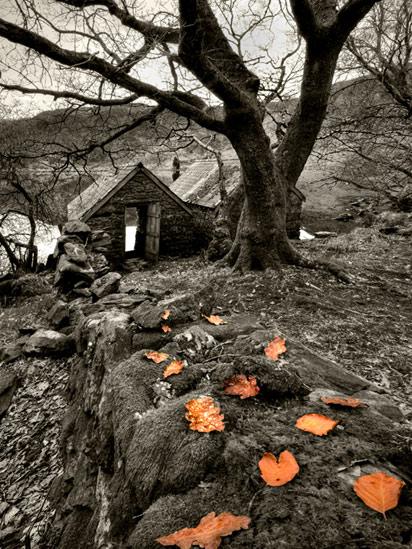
156, 357
276, 348
316, 424
277, 472
241, 385
175, 367
379, 491
166, 314
204, 415
208, 533
344, 401
215, 320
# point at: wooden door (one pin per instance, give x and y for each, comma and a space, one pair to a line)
153, 232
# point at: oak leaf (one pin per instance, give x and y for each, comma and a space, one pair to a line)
166, 314
208, 533
379, 491
156, 356
166, 328
344, 401
277, 472
175, 367
215, 319
204, 415
242, 386
316, 424
276, 348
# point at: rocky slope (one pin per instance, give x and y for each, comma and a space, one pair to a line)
134, 471
131, 470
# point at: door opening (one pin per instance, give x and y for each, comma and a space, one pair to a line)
135, 230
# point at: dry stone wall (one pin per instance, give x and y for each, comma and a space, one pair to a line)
133, 471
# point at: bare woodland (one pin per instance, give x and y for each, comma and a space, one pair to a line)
181, 370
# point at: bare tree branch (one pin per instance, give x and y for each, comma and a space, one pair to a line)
86, 61
69, 95
154, 32
350, 15
305, 18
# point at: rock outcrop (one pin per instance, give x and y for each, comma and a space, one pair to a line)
134, 471
49, 342
107, 284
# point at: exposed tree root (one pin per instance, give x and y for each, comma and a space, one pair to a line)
328, 266
242, 260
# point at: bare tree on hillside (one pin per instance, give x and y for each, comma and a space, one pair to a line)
382, 47
369, 133
26, 197
195, 42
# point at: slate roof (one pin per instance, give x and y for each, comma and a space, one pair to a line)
107, 185
199, 183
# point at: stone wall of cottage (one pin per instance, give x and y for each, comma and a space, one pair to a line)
179, 232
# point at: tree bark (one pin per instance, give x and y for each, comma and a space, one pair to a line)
292, 153
261, 241
14, 262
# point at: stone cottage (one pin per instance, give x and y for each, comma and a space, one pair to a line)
146, 218
141, 214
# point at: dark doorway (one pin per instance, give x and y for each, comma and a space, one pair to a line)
135, 230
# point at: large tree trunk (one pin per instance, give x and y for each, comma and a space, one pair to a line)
293, 152
261, 241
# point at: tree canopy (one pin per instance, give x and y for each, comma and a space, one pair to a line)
109, 41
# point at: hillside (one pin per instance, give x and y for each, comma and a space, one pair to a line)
155, 143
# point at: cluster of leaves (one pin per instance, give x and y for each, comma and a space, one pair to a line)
378, 490
204, 415
174, 366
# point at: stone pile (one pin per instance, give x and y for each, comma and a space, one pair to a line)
82, 277
74, 271
80, 258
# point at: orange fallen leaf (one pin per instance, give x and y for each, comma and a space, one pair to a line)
215, 319
275, 348
175, 367
156, 357
166, 328
277, 472
316, 424
242, 386
344, 401
204, 415
379, 491
166, 313
208, 533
